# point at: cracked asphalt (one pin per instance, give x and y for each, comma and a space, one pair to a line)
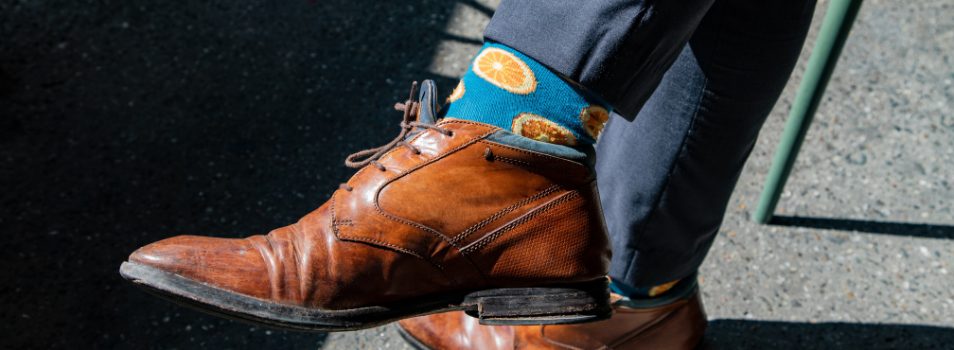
125, 122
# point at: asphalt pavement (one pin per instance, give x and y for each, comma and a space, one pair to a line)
122, 123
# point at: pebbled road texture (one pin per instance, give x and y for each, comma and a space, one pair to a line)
123, 122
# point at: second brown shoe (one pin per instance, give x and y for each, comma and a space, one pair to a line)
452, 215
673, 322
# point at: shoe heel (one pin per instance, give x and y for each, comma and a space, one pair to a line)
572, 303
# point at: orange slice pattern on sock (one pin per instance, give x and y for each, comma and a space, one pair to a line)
457, 93
662, 288
594, 118
505, 70
535, 127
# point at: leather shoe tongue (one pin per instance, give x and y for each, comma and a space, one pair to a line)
428, 99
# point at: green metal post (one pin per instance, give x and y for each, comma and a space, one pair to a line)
831, 38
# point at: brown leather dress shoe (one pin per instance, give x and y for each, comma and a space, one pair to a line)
448, 216
675, 323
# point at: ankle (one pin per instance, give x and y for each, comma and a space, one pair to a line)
512, 91
652, 291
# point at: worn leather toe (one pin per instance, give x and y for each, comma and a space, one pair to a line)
456, 330
232, 264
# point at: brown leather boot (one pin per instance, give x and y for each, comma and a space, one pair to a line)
448, 216
679, 323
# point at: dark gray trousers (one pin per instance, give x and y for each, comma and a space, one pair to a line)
692, 82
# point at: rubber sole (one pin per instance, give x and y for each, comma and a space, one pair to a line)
554, 304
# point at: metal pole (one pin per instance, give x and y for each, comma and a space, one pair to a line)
831, 38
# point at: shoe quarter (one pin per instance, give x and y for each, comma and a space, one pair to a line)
463, 193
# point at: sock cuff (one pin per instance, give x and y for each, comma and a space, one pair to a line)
506, 88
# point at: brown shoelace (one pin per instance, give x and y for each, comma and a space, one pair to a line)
411, 109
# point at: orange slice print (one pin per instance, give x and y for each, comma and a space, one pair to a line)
662, 288
594, 118
539, 128
457, 93
505, 70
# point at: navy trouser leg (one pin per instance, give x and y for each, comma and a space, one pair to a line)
618, 49
665, 178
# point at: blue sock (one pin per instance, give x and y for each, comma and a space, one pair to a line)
631, 292
512, 91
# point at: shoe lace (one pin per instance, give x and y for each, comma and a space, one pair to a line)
411, 109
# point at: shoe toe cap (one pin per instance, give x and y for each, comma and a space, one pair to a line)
232, 264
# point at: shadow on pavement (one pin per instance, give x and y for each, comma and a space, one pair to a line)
747, 334
880, 227
125, 122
